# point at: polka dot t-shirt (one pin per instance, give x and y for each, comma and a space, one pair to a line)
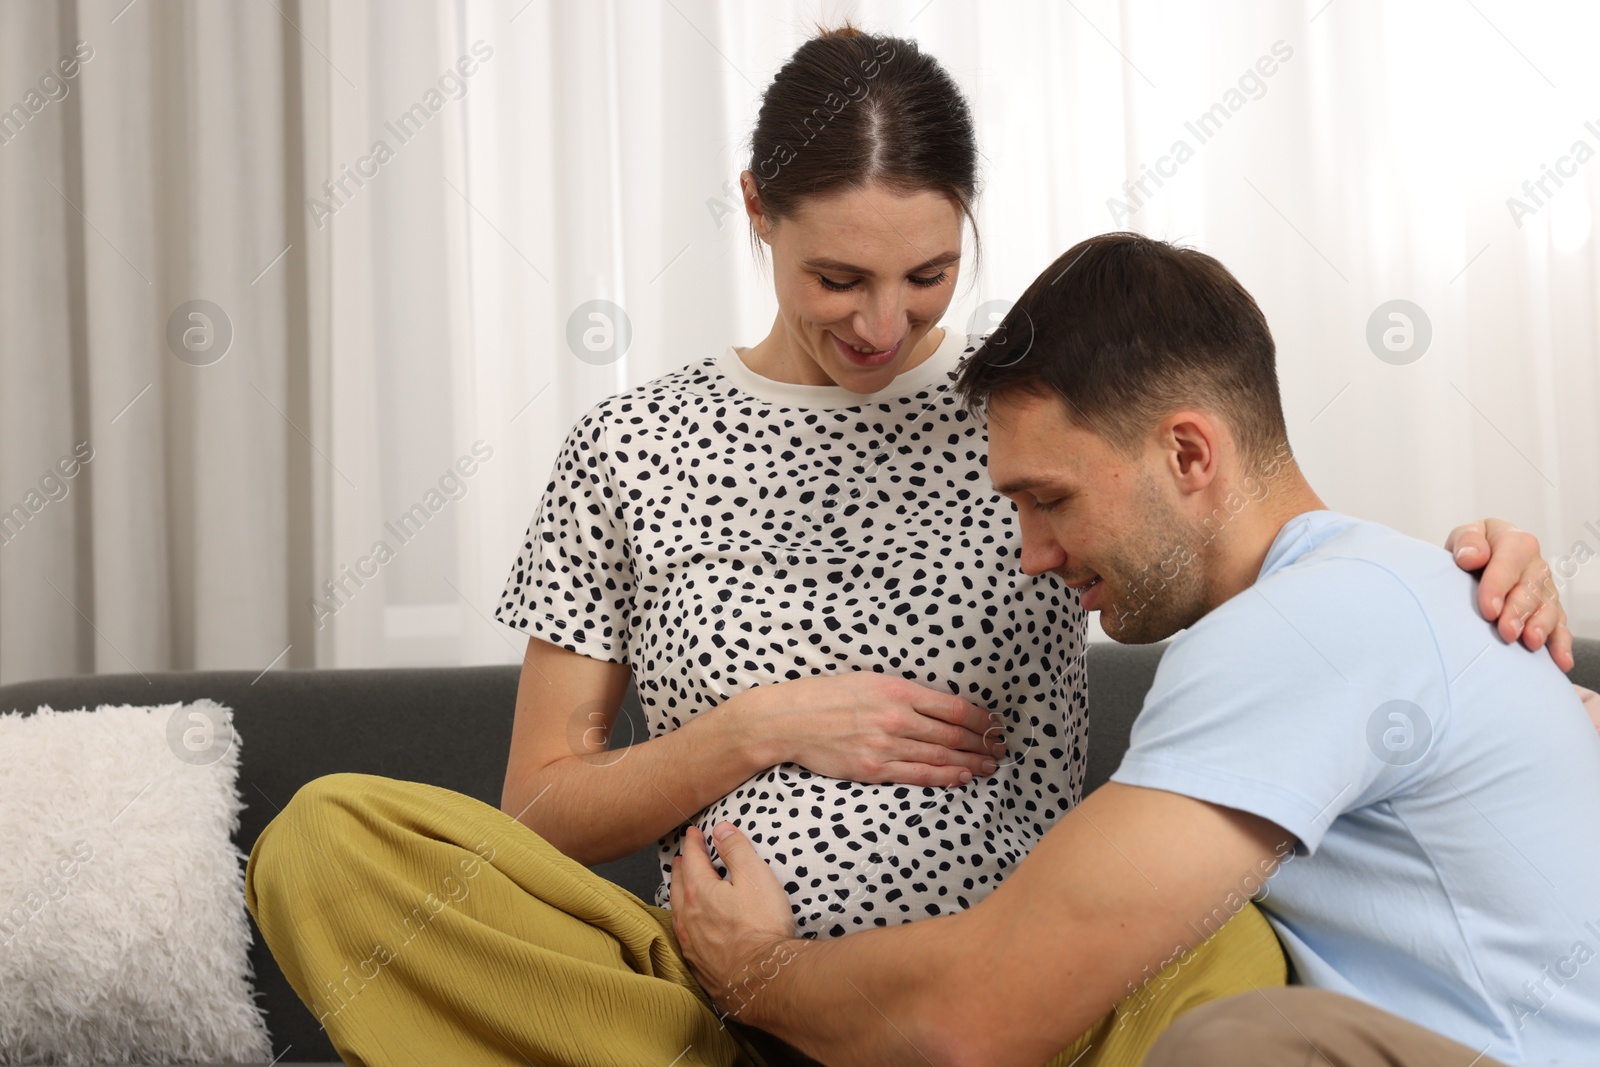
717, 530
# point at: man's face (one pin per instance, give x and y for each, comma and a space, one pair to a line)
1105, 520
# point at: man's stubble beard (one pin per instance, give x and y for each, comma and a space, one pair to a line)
1140, 605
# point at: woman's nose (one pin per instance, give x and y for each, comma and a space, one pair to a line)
881, 324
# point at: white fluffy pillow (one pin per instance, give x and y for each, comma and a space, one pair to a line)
123, 934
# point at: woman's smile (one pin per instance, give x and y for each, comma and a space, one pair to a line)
869, 359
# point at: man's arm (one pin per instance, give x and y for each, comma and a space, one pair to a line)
1120, 885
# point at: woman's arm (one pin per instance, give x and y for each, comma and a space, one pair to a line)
597, 805
1591, 704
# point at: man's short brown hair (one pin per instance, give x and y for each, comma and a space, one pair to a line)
1127, 329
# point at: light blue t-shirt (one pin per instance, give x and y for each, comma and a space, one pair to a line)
1444, 787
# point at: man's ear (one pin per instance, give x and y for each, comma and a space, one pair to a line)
759, 219
1190, 442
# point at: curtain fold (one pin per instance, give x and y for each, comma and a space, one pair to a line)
155, 180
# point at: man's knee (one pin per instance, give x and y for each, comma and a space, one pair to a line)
1242, 1030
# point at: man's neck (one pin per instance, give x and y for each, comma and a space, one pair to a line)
1241, 546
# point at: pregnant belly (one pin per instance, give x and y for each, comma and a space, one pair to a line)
854, 856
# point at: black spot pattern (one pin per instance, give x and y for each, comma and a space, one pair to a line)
716, 539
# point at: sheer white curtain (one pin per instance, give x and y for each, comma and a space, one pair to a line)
154, 513
1339, 157
401, 312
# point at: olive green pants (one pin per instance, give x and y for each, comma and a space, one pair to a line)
423, 926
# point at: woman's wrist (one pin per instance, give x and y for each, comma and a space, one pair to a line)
750, 730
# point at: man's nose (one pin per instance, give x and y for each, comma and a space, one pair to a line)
1040, 552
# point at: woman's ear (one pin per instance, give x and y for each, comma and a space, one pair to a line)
760, 221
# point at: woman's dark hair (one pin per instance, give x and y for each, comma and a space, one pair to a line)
1127, 329
850, 108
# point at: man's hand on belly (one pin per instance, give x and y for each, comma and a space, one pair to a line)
737, 932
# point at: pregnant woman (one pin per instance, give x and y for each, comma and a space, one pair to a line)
793, 550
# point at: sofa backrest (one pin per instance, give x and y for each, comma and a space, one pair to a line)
451, 727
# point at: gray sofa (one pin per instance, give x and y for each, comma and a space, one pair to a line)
452, 727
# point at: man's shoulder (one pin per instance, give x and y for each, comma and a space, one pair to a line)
1352, 540
1340, 568
1268, 703
1336, 593
1325, 547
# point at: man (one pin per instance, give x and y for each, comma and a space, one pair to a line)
1425, 796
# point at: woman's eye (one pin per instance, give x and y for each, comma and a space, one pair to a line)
919, 280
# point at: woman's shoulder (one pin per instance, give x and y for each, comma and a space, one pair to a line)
690, 380
970, 343
652, 400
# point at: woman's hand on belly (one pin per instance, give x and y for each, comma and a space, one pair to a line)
863, 726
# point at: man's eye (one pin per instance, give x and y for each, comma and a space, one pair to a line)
1045, 505
838, 287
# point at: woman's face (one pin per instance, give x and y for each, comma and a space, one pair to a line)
861, 276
